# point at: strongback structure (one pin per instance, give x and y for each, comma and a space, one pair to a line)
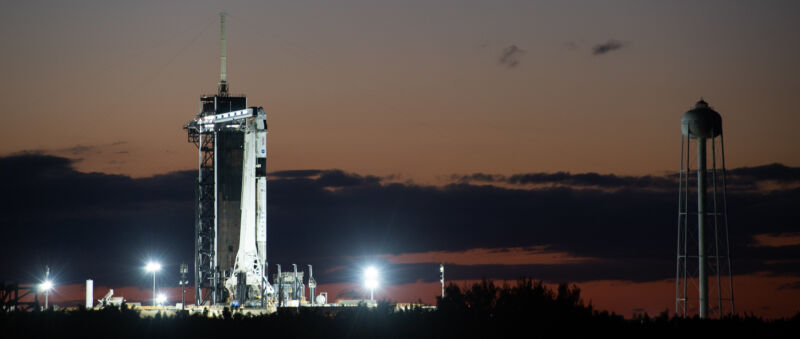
703, 246
230, 219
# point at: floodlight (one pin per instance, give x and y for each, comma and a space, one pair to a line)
152, 266
46, 285
161, 299
371, 280
371, 284
371, 273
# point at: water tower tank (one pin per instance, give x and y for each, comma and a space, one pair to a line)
701, 122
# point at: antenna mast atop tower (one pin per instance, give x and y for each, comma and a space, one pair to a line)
223, 82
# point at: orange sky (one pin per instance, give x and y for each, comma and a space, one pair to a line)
413, 88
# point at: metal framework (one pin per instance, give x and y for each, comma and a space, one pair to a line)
204, 136
205, 214
203, 132
12, 294
703, 247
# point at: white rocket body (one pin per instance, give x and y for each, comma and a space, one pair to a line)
261, 191
252, 254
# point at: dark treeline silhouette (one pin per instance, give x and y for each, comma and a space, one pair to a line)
528, 309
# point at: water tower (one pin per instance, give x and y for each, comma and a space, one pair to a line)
703, 246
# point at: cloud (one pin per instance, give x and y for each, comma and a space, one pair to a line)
296, 173
86, 153
777, 240
590, 179
338, 178
488, 256
85, 221
773, 172
758, 178
608, 46
104, 226
328, 178
790, 286
510, 57
76, 150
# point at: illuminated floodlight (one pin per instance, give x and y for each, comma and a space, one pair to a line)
371, 284
46, 286
161, 299
152, 267
371, 281
371, 273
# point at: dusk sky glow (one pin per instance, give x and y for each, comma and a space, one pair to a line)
506, 139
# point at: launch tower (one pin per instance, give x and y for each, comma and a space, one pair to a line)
231, 193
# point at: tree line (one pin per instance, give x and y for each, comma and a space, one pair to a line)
527, 308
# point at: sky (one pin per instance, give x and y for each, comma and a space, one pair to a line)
425, 132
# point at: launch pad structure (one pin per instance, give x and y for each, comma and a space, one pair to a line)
219, 136
230, 236
230, 259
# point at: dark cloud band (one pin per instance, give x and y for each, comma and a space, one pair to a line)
104, 226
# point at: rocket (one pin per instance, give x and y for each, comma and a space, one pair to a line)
251, 257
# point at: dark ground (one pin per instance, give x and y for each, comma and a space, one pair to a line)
528, 310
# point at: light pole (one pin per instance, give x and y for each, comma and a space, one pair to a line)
153, 267
184, 270
46, 286
441, 278
371, 281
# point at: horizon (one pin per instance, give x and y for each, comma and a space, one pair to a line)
535, 139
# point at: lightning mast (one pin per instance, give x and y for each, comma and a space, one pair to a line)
223, 64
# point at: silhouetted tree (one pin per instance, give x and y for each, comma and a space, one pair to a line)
528, 309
